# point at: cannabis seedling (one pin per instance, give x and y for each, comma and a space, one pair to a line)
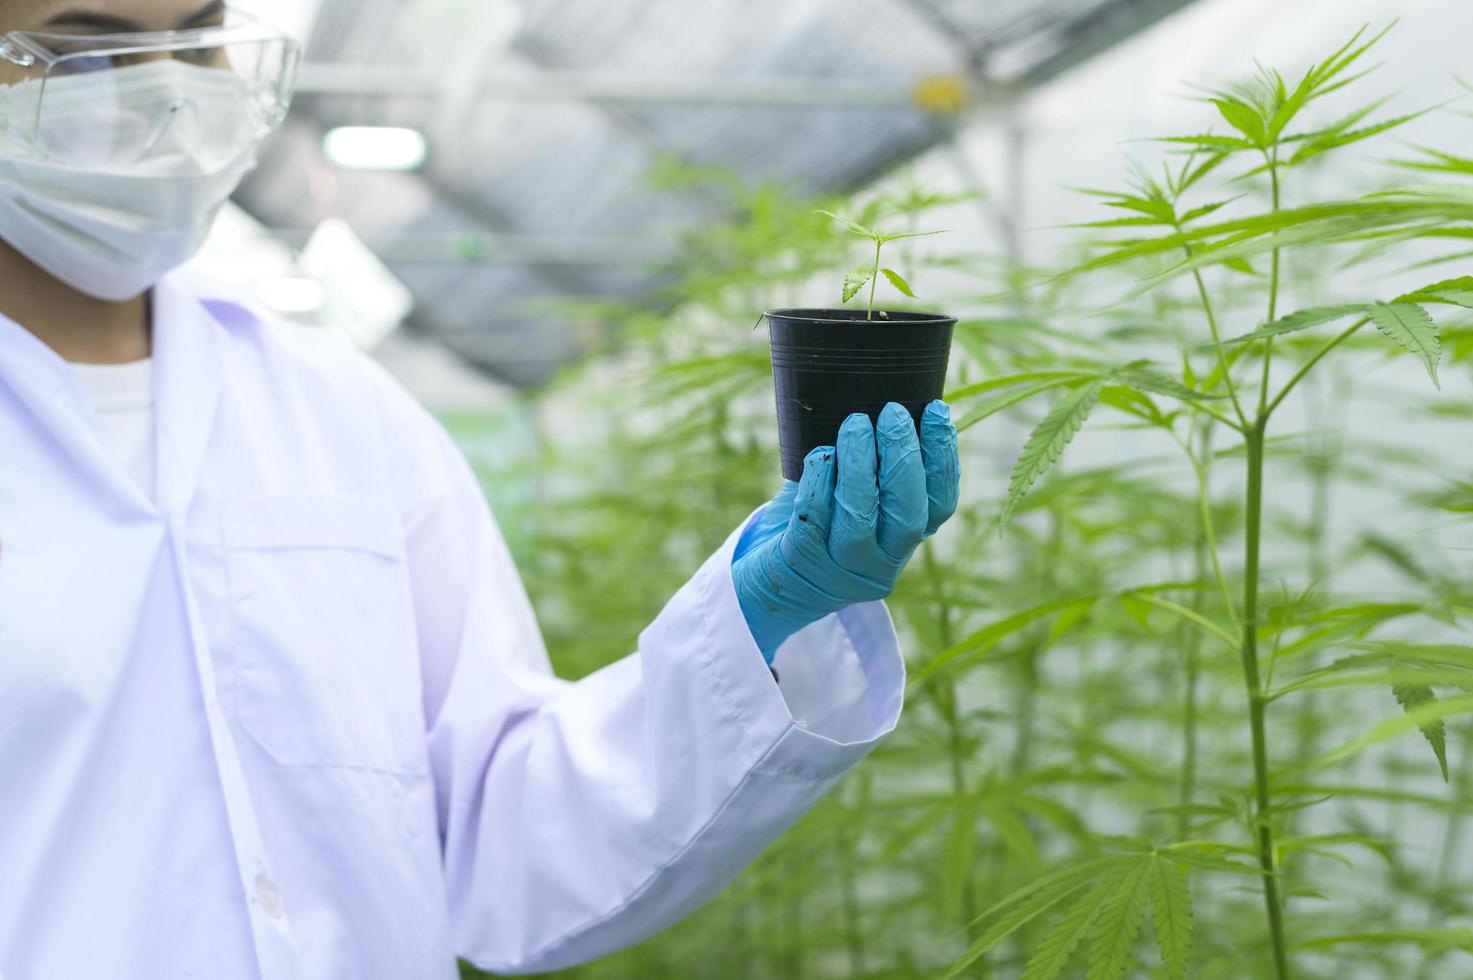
856, 280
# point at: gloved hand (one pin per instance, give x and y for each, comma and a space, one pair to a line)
845, 531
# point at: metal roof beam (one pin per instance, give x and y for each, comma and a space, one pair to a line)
327, 79
1097, 31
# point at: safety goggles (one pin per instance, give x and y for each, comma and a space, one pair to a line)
98, 99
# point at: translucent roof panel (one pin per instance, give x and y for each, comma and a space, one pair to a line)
545, 118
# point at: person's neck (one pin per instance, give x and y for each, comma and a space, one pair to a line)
79, 327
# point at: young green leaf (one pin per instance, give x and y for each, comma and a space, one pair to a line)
898, 282
883, 238
1191, 175
1205, 210
1413, 696
1158, 211
1298, 320
1171, 914
853, 226
1119, 924
1244, 118
1410, 326
1208, 142
1048, 440
856, 280
1058, 944
1337, 138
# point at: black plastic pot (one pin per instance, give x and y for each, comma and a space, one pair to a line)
828, 364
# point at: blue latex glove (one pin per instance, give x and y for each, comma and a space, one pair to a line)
845, 531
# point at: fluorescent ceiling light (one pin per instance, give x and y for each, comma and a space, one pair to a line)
375, 148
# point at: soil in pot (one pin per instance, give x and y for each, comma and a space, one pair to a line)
828, 364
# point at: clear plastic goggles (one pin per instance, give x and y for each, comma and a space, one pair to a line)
99, 99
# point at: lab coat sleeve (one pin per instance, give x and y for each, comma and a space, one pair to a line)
580, 818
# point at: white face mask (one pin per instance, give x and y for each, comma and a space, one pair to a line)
113, 229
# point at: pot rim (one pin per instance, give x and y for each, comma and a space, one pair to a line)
892, 317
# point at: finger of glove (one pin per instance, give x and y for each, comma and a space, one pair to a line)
779, 510
904, 506
942, 463
852, 542
807, 534
769, 522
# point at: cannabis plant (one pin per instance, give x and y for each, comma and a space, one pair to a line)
1220, 404
1188, 689
856, 279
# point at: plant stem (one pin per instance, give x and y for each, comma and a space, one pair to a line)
1447, 858
1204, 510
955, 738
853, 935
1192, 641
873, 282
1026, 715
1222, 366
1256, 700
1217, 415
1307, 365
1273, 287
1227, 376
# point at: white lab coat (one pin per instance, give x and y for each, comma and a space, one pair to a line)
296, 721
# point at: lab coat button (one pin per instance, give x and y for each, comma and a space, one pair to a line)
269, 897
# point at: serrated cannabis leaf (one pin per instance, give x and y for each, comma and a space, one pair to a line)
1299, 320
1410, 326
1413, 696
1143, 379
1058, 944
1171, 914
989, 636
1458, 292
1119, 924
1431, 940
1048, 440
1389, 728
898, 282
855, 281
1027, 904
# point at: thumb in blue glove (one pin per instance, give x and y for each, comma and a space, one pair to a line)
857, 515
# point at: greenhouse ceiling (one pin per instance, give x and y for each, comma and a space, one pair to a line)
544, 118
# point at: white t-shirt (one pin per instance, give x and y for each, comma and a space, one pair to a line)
122, 396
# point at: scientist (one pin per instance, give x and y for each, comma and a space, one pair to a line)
273, 702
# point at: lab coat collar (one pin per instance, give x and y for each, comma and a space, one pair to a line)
189, 369
51, 392
189, 343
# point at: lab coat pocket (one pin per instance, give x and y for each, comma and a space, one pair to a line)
322, 648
